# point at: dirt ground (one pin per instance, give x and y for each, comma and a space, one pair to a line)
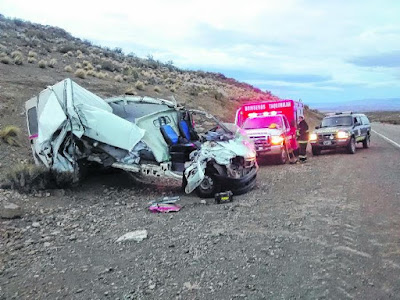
328, 229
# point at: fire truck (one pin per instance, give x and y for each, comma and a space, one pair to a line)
271, 126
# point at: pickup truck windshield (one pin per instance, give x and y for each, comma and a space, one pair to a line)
337, 121
272, 122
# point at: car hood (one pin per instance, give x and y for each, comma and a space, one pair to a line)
327, 130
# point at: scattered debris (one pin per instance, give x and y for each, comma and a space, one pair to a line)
10, 211
137, 236
224, 197
165, 204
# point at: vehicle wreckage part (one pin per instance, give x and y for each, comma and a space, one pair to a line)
224, 197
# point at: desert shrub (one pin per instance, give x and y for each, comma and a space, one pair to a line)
27, 178
65, 55
18, 59
52, 62
97, 67
87, 65
130, 91
67, 48
194, 90
157, 89
16, 53
70, 53
80, 56
91, 73
10, 135
5, 60
118, 78
102, 75
42, 64
68, 69
78, 52
31, 60
32, 54
139, 85
109, 65
81, 73
78, 65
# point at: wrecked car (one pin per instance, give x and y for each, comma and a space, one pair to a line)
69, 127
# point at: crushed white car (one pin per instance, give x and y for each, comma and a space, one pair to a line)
70, 126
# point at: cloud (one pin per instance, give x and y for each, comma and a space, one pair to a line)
387, 60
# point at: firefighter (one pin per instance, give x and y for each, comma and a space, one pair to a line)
302, 138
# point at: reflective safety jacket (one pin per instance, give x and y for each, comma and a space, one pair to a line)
303, 131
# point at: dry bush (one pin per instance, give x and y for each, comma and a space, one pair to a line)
157, 89
139, 85
102, 75
68, 69
130, 91
27, 178
65, 55
16, 53
81, 73
18, 59
31, 60
32, 54
52, 62
70, 53
78, 52
87, 65
42, 64
5, 60
91, 73
80, 56
10, 135
118, 78
78, 65
173, 89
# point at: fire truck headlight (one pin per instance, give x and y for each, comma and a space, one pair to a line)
313, 137
342, 135
277, 139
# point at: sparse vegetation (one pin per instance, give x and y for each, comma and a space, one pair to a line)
18, 59
157, 89
81, 73
5, 59
52, 62
78, 65
32, 60
130, 91
118, 78
32, 54
139, 85
42, 64
10, 135
68, 69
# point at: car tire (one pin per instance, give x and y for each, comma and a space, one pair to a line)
351, 147
316, 151
367, 142
209, 186
282, 158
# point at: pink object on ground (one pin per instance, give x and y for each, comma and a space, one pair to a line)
162, 207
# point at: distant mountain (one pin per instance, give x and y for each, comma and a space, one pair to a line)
364, 105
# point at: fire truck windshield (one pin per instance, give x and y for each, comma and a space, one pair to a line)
272, 122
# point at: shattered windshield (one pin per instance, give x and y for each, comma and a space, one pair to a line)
272, 122
337, 121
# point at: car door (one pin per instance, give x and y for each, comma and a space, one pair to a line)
358, 129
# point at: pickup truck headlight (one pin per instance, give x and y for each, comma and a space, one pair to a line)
342, 135
313, 137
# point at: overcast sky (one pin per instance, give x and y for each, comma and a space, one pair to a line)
317, 51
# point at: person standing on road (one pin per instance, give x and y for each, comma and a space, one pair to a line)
302, 138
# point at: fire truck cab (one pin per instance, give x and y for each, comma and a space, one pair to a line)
271, 126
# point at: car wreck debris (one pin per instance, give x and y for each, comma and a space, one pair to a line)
136, 236
71, 129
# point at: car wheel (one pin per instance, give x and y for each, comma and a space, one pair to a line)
316, 151
351, 148
367, 142
209, 186
282, 158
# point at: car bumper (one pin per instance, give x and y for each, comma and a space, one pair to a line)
239, 185
273, 150
333, 144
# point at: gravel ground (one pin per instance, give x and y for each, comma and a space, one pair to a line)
328, 229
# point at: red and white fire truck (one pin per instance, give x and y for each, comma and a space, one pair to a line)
271, 125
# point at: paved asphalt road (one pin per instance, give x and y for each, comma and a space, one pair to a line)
389, 131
